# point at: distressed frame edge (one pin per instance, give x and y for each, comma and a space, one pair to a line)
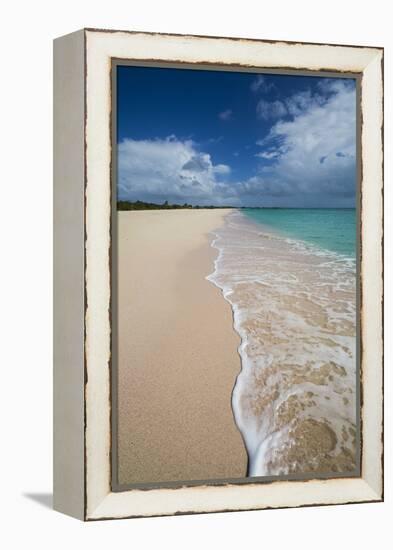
235, 38
99, 511
69, 489
372, 267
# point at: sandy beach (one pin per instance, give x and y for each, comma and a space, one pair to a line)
177, 352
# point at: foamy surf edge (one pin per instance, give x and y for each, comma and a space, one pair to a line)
262, 438
252, 448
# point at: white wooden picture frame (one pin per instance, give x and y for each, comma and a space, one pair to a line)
82, 257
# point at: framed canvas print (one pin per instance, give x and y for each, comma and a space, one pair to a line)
218, 274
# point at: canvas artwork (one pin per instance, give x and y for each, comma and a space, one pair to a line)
235, 327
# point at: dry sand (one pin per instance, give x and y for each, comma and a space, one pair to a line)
177, 352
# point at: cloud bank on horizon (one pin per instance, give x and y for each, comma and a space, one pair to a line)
282, 141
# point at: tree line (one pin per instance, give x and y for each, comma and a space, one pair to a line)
141, 205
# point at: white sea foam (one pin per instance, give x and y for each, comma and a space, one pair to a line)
294, 307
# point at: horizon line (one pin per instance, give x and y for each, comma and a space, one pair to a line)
166, 205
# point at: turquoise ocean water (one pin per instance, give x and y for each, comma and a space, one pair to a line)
328, 228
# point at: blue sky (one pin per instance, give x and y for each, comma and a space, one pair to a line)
215, 137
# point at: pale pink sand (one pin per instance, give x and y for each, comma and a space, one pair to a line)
177, 352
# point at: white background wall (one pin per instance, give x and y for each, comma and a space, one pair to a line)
27, 29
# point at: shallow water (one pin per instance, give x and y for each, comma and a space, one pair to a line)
331, 229
294, 306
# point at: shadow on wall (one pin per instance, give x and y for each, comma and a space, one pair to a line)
45, 499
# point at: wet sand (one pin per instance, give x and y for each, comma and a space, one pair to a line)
295, 309
177, 352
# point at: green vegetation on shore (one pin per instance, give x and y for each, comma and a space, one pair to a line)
140, 205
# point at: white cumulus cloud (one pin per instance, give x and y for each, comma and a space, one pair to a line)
313, 152
261, 84
268, 154
169, 169
271, 109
